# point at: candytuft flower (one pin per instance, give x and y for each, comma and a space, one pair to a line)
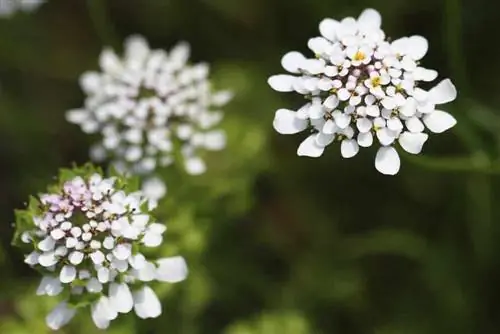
88, 237
151, 107
363, 89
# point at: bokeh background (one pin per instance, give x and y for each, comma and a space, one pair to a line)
275, 243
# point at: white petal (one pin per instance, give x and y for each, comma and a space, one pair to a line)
146, 303
109, 61
412, 142
444, 92
103, 275
365, 139
32, 258
137, 261
349, 148
122, 251
327, 28
417, 47
414, 124
385, 136
286, 122
47, 244
292, 61
282, 82
172, 269
152, 239
400, 46
153, 188
389, 103
97, 257
324, 140
342, 120
331, 102
329, 127
363, 125
60, 316
49, 286
439, 121
102, 313
423, 74
47, 259
310, 148
215, 140
394, 124
146, 273
77, 116
409, 108
94, 286
195, 166
370, 19
68, 274
343, 94
120, 297
387, 160
316, 111
75, 258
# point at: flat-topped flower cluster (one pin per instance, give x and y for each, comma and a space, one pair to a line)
361, 87
88, 238
150, 107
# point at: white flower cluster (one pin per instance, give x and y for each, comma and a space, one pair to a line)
88, 240
362, 86
149, 104
10, 7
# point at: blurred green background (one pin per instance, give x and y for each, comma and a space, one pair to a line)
275, 243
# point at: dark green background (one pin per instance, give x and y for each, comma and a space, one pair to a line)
275, 243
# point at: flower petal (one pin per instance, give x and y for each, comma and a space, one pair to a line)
424, 74
365, 139
310, 148
102, 313
439, 121
286, 122
387, 160
323, 139
172, 269
49, 286
415, 125
292, 61
370, 19
412, 142
385, 136
195, 166
68, 274
417, 47
444, 92
146, 303
349, 148
121, 298
328, 29
282, 82
60, 316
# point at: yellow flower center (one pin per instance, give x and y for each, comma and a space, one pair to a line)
359, 56
376, 81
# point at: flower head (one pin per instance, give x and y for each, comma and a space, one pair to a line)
151, 106
87, 237
363, 88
